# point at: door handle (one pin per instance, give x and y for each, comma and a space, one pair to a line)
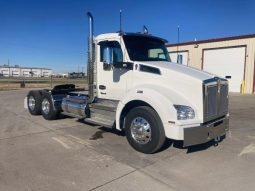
102, 87
228, 77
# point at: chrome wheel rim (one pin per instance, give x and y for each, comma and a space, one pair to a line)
31, 103
141, 130
45, 106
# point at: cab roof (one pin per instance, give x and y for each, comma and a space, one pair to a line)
116, 35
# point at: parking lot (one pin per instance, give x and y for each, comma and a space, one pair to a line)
67, 155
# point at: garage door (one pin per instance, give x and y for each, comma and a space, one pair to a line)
227, 63
15, 73
35, 73
26, 73
5, 72
183, 57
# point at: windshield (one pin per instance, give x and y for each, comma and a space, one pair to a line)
142, 48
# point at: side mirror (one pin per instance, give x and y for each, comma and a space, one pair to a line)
108, 57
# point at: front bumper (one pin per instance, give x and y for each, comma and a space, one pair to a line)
206, 132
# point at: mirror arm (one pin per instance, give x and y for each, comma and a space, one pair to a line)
126, 65
129, 65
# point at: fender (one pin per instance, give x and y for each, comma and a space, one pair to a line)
157, 97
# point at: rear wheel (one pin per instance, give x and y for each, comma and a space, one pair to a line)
47, 108
34, 102
144, 130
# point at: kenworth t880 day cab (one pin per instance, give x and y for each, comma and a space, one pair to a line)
134, 87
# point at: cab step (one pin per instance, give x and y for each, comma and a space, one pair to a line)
103, 112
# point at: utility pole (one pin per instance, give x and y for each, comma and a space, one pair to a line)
9, 73
9, 67
82, 68
178, 41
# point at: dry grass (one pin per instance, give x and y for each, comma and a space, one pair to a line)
15, 83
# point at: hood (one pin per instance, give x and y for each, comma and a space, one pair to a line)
180, 84
170, 67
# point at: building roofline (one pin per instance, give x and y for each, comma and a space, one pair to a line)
2, 66
212, 40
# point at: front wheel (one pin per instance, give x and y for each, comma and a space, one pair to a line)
144, 130
47, 109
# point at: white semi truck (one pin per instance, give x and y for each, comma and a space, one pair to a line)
134, 87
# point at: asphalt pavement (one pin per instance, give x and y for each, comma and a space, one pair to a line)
68, 155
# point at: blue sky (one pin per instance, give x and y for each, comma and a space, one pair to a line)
53, 33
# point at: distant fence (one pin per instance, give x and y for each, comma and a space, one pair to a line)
16, 83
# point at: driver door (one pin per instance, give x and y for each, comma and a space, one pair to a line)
111, 81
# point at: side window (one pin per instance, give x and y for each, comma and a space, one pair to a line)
117, 52
156, 53
102, 46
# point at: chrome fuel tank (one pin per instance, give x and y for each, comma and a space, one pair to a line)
75, 105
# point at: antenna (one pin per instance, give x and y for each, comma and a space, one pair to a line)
120, 21
145, 30
178, 38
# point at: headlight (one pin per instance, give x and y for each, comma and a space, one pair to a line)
184, 112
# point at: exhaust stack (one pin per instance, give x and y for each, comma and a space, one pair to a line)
91, 58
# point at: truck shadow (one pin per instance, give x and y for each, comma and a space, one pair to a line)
63, 117
168, 143
102, 130
201, 147
191, 149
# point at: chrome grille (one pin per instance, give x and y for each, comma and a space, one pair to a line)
223, 99
212, 92
215, 98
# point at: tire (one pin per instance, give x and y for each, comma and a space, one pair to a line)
34, 100
47, 109
145, 118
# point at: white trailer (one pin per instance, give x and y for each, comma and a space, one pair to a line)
133, 87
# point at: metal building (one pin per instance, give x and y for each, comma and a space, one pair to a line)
232, 58
16, 71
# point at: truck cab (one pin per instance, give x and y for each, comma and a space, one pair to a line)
134, 87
